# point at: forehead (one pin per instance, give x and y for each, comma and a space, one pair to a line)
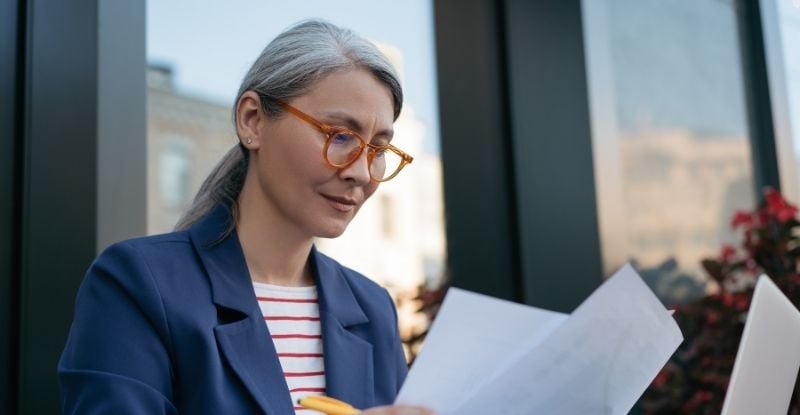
355, 93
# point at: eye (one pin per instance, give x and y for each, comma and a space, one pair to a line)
342, 137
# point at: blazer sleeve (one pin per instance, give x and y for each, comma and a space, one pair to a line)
117, 360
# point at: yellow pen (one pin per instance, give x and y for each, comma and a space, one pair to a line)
327, 405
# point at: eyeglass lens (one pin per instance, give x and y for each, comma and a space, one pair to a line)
344, 148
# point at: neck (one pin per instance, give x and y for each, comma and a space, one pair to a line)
276, 251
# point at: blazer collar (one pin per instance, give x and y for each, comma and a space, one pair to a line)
232, 287
335, 295
224, 261
349, 370
241, 334
245, 343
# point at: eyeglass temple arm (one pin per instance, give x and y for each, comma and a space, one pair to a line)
303, 116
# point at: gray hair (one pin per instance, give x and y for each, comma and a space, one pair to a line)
286, 69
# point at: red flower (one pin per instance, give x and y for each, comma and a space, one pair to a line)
742, 302
763, 216
727, 299
778, 207
742, 218
727, 252
661, 379
712, 317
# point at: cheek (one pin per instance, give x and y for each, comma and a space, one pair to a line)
295, 159
304, 156
370, 189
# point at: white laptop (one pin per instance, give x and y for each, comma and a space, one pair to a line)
768, 359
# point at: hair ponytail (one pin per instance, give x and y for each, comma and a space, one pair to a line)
222, 185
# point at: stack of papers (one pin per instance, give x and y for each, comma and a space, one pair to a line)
489, 356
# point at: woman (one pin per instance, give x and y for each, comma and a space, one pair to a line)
236, 312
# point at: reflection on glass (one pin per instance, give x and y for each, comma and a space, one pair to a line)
781, 22
185, 137
670, 138
174, 172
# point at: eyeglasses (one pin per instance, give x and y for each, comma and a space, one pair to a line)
343, 147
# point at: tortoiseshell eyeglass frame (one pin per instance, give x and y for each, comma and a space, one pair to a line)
332, 131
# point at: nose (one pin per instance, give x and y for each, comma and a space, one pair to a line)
358, 171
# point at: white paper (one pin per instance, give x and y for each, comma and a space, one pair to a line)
597, 361
471, 339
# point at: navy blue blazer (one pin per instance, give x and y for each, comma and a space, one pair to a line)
170, 324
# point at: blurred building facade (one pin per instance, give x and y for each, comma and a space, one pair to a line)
186, 136
708, 173
679, 193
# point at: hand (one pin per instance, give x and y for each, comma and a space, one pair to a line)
398, 410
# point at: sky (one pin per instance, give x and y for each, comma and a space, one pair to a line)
210, 44
790, 38
678, 64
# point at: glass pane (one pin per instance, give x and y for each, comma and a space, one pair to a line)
781, 22
670, 138
198, 52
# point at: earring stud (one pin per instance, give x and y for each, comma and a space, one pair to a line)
249, 141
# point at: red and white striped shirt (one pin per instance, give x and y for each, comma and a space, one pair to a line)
292, 315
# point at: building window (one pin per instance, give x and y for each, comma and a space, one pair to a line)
186, 136
174, 163
781, 25
670, 136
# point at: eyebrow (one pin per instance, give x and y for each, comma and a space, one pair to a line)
354, 125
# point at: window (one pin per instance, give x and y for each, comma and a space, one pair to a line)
670, 136
781, 24
174, 165
186, 135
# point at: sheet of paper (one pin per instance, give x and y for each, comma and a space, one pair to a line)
485, 356
473, 337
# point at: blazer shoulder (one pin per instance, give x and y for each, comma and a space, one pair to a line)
149, 255
160, 241
149, 247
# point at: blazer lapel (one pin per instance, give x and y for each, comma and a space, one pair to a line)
242, 335
349, 372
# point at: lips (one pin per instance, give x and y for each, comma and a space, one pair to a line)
340, 203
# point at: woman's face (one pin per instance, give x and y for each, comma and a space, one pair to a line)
287, 159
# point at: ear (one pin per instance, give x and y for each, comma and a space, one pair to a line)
250, 119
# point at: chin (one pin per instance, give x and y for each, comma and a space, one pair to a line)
331, 232
329, 235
